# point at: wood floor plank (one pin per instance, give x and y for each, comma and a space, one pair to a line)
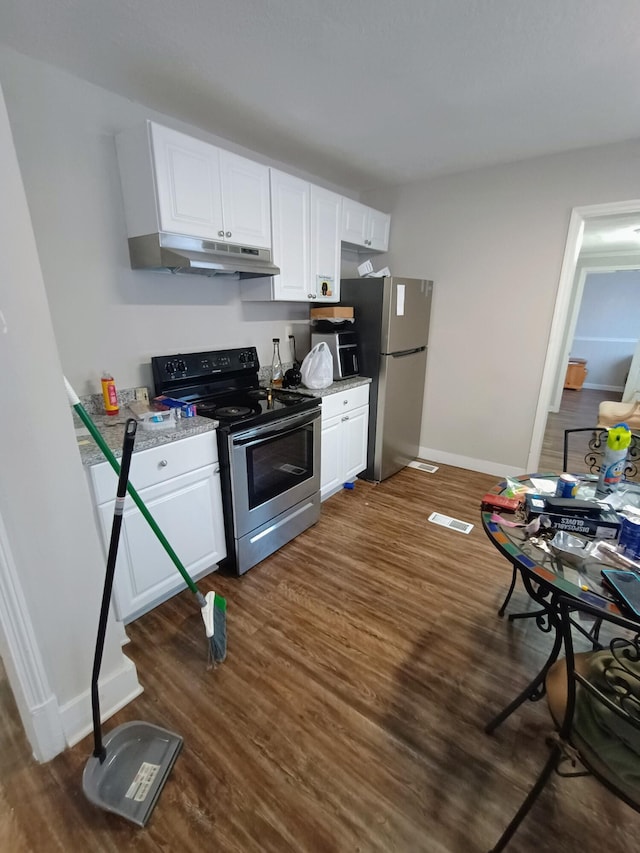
364, 659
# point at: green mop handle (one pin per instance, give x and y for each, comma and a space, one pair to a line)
111, 459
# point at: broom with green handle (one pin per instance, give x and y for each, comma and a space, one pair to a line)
212, 607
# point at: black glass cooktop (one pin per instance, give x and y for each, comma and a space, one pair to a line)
224, 385
251, 406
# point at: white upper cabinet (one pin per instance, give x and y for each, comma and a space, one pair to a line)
379, 224
306, 222
355, 222
363, 227
172, 182
290, 223
326, 215
245, 201
188, 194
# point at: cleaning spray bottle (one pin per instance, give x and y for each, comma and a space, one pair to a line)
615, 457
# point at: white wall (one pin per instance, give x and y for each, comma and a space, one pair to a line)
608, 327
493, 241
105, 315
50, 544
91, 313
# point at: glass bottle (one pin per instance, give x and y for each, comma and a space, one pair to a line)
276, 365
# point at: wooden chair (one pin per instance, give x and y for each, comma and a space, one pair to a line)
594, 702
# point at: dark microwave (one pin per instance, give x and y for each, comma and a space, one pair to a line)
344, 352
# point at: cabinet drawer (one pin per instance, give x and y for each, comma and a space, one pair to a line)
344, 401
149, 467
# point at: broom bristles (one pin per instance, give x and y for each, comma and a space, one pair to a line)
214, 616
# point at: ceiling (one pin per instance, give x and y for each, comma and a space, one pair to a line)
366, 93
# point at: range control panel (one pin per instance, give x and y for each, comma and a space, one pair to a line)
201, 365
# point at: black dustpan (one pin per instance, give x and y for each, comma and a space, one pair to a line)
126, 772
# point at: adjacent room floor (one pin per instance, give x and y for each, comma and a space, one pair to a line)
577, 409
364, 659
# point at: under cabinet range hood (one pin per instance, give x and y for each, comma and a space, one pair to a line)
177, 254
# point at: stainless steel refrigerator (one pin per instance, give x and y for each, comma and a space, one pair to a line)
392, 322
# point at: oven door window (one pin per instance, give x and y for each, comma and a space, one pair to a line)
277, 464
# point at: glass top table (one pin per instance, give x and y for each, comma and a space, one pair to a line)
548, 571
571, 572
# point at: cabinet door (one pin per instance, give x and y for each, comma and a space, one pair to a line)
379, 230
331, 466
355, 425
188, 509
245, 201
290, 223
188, 188
326, 223
355, 222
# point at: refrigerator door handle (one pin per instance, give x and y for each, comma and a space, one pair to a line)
402, 353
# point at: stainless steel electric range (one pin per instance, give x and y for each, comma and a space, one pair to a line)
268, 445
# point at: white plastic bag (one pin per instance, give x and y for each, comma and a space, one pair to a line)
317, 367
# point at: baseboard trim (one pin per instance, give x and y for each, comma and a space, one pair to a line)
592, 386
46, 727
116, 691
35, 700
482, 466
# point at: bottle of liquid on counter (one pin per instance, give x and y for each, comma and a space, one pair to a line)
615, 457
109, 394
276, 365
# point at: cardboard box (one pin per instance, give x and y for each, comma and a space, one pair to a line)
606, 525
331, 312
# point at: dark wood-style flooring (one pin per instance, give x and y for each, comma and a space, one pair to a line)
364, 659
577, 409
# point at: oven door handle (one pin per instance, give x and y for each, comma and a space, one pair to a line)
286, 426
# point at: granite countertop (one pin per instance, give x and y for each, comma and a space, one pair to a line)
112, 430
334, 388
112, 427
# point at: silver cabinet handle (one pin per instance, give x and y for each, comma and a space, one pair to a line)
344, 402
220, 233
309, 295
345, 418
162, 463
216, 469
228, 234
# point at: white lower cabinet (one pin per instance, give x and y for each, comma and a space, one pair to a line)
180, 486
345, 423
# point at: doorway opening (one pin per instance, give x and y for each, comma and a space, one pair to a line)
565, 312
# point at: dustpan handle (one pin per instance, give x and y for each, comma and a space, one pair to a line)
127, 449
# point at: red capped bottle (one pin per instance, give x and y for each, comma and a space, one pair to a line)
109, 394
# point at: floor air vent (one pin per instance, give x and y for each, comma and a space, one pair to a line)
452, 523
423, 466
